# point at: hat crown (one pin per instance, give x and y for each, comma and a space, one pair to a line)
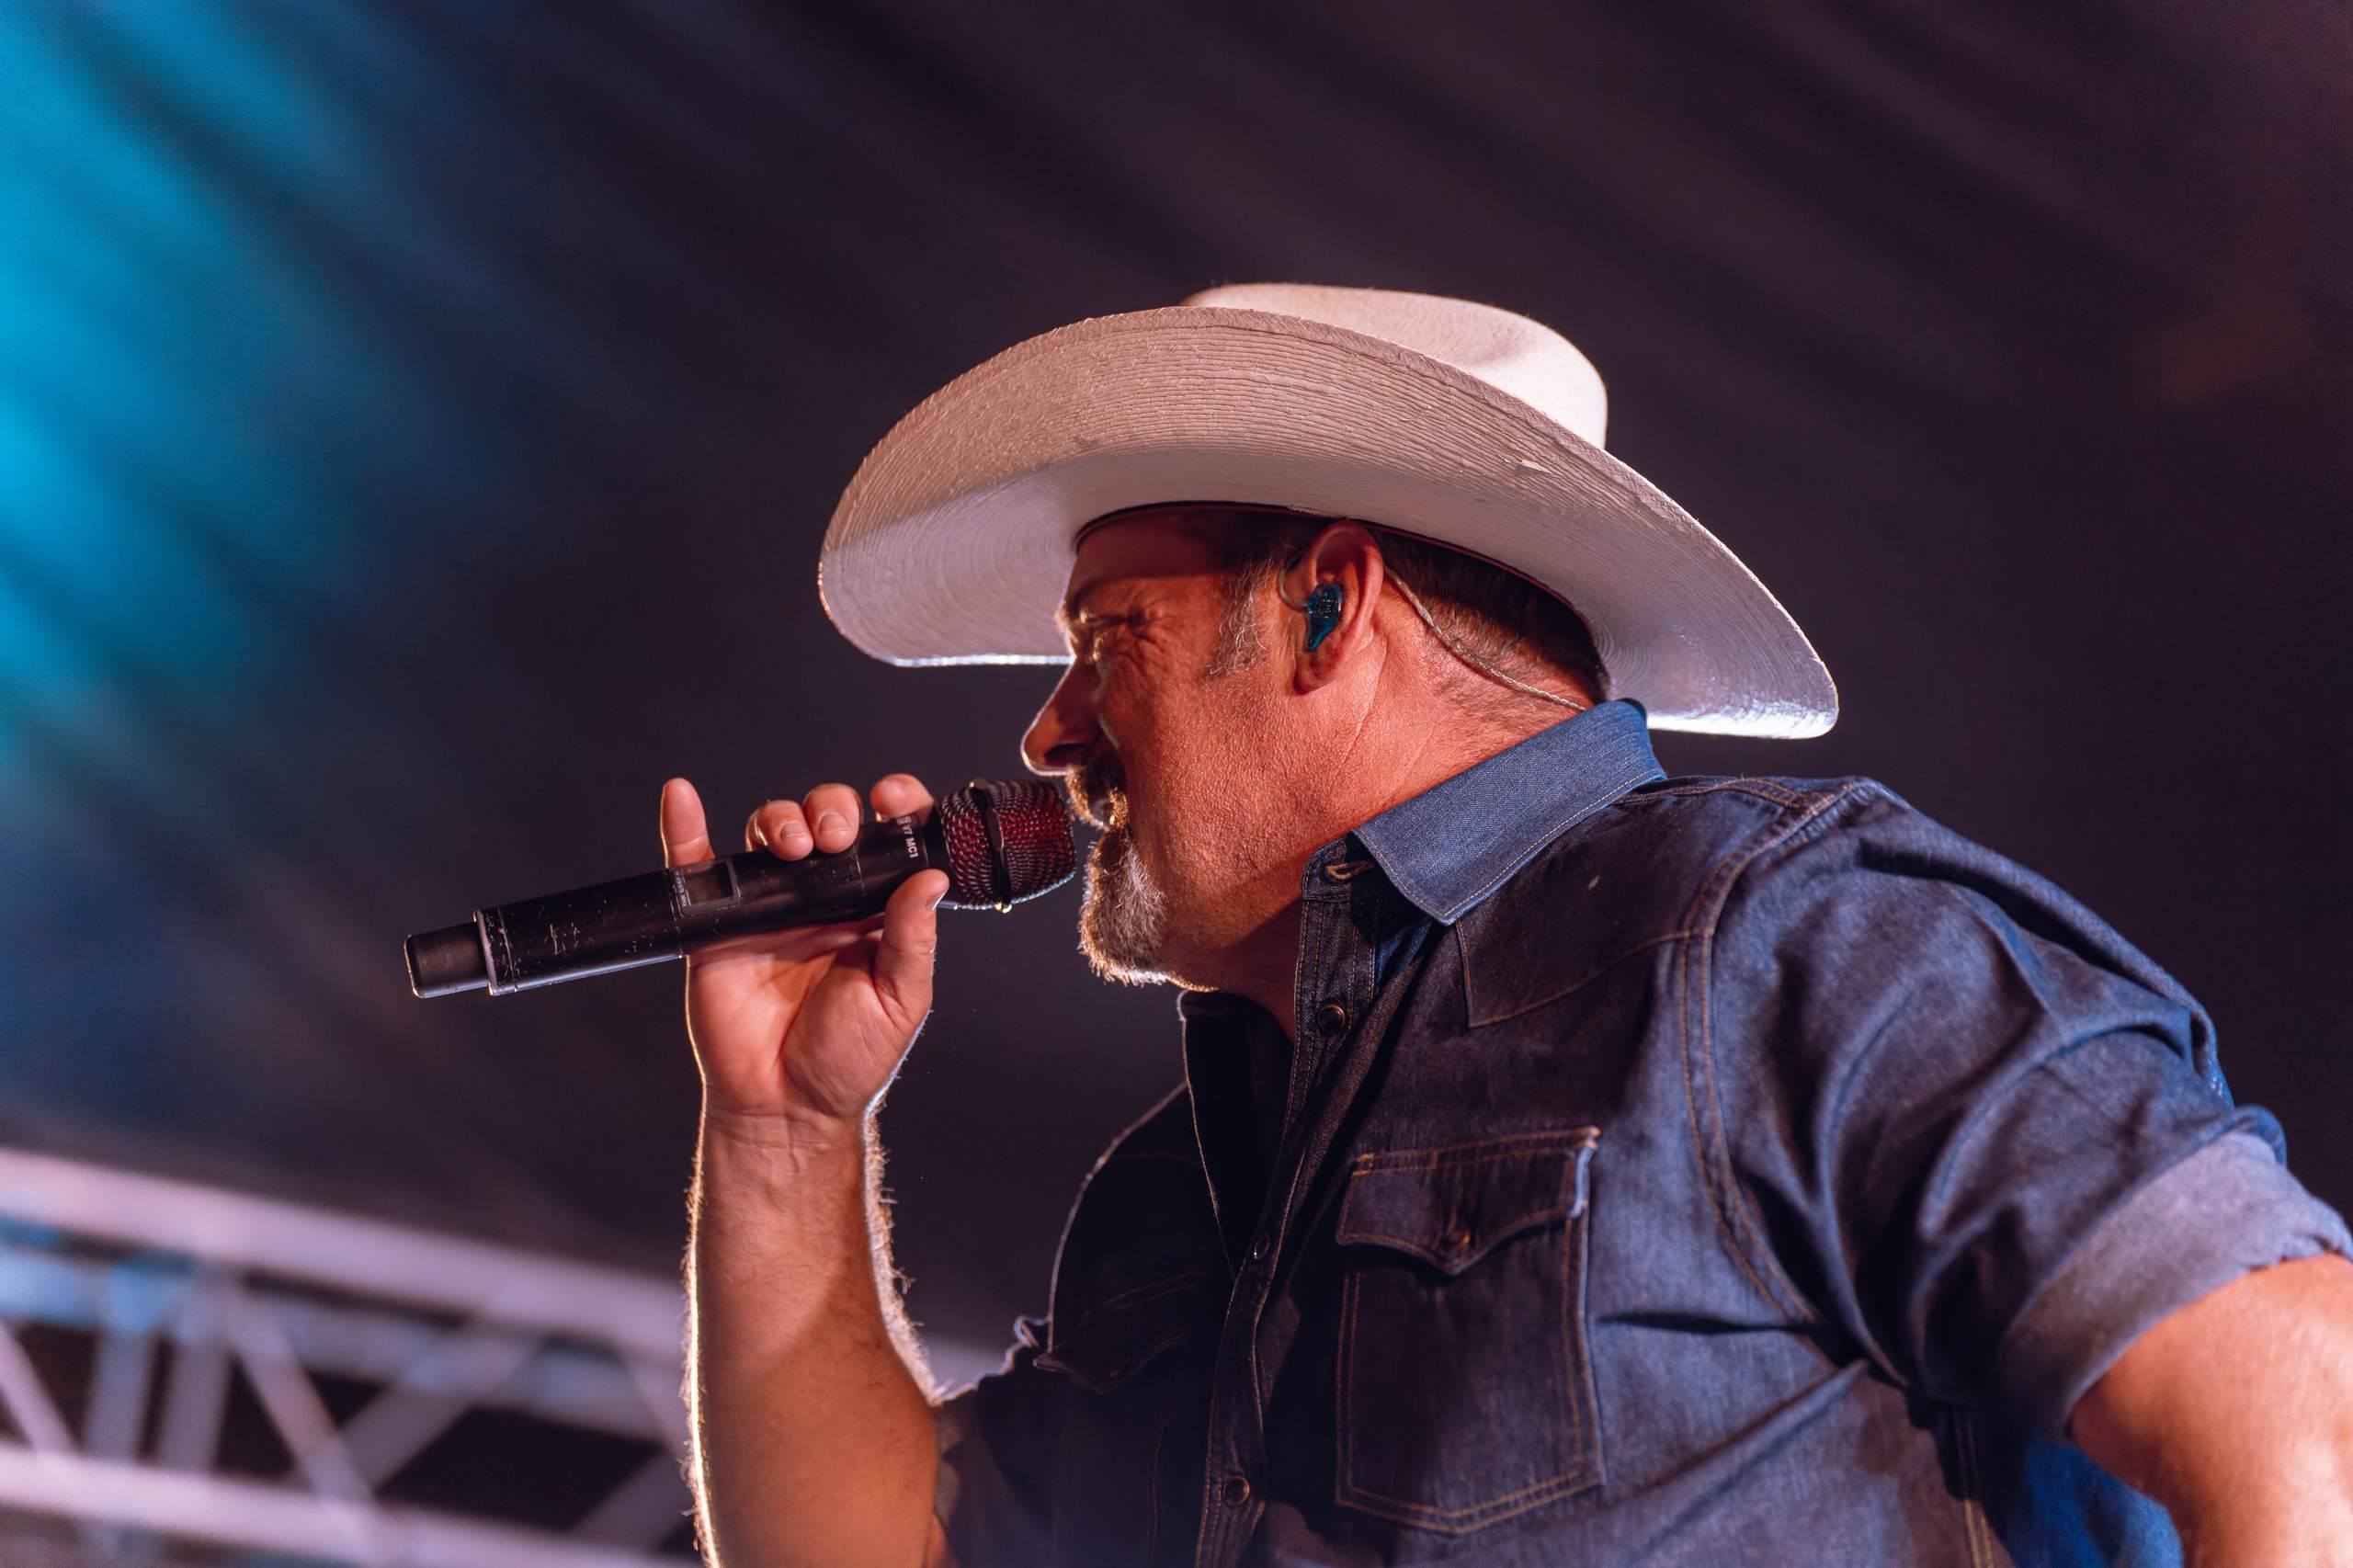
1471, 426
1524, 358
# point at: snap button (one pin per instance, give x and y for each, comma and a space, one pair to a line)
1235, 1492
1331, 1018
1261, 1246
1458, 1239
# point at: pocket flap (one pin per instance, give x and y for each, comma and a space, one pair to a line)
1449, 1207
1115, 1340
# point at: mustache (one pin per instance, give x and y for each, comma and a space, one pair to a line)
1097, 793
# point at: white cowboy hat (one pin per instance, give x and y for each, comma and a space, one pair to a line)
1459, 423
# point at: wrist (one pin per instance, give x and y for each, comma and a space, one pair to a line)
786, 1141
773, 1191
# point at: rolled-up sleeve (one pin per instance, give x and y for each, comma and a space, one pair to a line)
2226, 1210
997, 1440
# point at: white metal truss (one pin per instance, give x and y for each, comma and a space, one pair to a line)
438, 1325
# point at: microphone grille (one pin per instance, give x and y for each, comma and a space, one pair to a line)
1008, 840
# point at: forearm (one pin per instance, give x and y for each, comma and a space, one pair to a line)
2291, 1532
814, 1440
2236, 1413
2283, 1497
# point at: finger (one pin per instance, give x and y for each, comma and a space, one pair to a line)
899, 795
832, 811
684, 840
778, 827
910, 940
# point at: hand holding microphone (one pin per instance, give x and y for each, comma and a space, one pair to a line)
809, 1022
822, 931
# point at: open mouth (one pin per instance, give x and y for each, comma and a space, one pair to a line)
1096, 796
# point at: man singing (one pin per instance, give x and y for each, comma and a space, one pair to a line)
1572, 1164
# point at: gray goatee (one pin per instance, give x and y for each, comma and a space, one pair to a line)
1123, 918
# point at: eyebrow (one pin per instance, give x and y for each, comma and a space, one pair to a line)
1069, 610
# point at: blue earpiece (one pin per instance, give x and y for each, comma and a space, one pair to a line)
1323, 613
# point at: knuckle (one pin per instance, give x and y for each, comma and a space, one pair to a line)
834, 809
782, 828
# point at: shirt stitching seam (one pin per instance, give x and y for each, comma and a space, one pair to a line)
1813, 821
1504, 1148
1423, 1249
1575, 985
1698, 1137
1136, 1296
1763, 788
1739, 1224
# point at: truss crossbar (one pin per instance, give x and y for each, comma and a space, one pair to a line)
364, 1257
277, 1519
282, 1293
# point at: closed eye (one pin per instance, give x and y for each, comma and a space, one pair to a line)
1094, 637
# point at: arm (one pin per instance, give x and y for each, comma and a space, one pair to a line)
813, 1435
2236, 1413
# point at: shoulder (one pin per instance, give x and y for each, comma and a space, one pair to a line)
1854, 928
1790, 889
1812, 859
1853, 881
1654, 864
1703, 831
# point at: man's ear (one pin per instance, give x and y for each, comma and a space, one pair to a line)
1342, 557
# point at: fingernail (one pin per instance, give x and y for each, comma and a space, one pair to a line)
828, 821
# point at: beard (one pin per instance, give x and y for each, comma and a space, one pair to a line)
1123, 918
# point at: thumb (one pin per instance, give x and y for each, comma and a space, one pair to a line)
685, 839
902, 961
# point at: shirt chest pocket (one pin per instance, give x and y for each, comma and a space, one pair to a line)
1127, 1477
1465, 1392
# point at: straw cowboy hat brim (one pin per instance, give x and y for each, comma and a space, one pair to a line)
1458, 422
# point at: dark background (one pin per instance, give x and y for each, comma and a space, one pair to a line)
418, 423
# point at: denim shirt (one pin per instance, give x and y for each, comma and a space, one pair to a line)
1724, 1170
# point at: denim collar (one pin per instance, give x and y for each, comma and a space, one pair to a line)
1452, 846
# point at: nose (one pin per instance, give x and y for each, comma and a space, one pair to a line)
1065, 733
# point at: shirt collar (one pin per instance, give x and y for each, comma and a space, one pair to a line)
1452, 846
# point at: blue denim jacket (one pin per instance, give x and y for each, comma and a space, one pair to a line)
1709, 1170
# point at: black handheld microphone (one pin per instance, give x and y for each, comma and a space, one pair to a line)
999, 843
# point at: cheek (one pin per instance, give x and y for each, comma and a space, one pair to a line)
1180, 743
1190, 785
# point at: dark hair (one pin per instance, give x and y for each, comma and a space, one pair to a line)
1493, 613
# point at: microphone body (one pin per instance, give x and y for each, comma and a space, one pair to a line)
661, 915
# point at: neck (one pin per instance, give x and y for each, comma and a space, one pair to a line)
1266, 966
